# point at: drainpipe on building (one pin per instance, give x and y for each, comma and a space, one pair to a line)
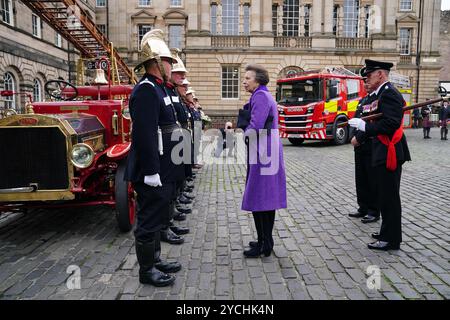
419, 45
107, 19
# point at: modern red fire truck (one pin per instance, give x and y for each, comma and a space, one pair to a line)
311, 104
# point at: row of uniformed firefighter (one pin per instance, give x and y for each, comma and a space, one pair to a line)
161, 105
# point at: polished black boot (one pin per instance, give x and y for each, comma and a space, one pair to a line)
189, 195
183, 200
164, 266
148, 273
179, 230
257, 251
168, 236
182, 209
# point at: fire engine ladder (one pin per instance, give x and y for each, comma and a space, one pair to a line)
76, 26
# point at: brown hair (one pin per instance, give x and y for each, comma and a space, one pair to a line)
261, 74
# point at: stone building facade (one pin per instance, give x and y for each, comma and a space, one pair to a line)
445, 47
219, 37
31, 53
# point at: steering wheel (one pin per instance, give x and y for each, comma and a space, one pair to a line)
56, 88
442, 91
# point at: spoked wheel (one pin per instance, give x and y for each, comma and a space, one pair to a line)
125, 201
61, 90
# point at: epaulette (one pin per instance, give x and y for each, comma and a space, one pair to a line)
146, 81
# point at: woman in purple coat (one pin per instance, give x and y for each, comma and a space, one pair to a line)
265, 189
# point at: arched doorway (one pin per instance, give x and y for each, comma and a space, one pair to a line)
289, 71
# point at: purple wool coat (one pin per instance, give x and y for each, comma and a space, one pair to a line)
265, 188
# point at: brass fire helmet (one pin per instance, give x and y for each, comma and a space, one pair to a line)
179, 65
154, 47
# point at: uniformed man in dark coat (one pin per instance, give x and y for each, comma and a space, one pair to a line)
171, 233
444, 115
149, 165
389, 152
364, 177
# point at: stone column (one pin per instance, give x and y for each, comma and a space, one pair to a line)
328, 17
377, 17
193, 15
431, 22
301, 21
205, 14
241, 19
340, 22
391, 8
256, 17
316, 18
362, 22
267, 18
219, 18
280, 20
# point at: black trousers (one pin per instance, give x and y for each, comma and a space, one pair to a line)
388, 185
365, 182
264, 221
153, 209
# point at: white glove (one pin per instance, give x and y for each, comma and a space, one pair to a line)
153, 180
358, 124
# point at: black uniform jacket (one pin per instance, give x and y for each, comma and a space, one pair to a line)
180, 107
390, 103
363, 110
150, 108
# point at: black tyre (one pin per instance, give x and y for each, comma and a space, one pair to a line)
340, 134
296, 141
125, 200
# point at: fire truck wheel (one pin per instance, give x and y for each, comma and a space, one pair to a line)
296, 141
125, 200
340, 135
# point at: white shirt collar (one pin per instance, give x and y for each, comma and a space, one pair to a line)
379, 88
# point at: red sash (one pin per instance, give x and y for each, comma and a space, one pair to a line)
391, 161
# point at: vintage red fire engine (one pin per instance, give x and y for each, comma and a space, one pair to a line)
69, 152
311, 104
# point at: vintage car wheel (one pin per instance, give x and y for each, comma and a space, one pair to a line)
296, 141
125, 201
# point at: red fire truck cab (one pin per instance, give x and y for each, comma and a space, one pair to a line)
312, 104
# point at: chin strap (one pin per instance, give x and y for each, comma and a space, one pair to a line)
161, 69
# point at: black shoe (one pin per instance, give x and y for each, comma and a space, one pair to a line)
179, 230
189, 183
170, 237
369, 219
253, 244
188, 195
384, 246
183, 210
179, 216
256, 252
168, 267
183, 200
375, 235
148, 273
357, 215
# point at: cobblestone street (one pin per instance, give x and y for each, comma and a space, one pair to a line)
320, 253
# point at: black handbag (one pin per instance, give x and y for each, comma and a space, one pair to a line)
243, 119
